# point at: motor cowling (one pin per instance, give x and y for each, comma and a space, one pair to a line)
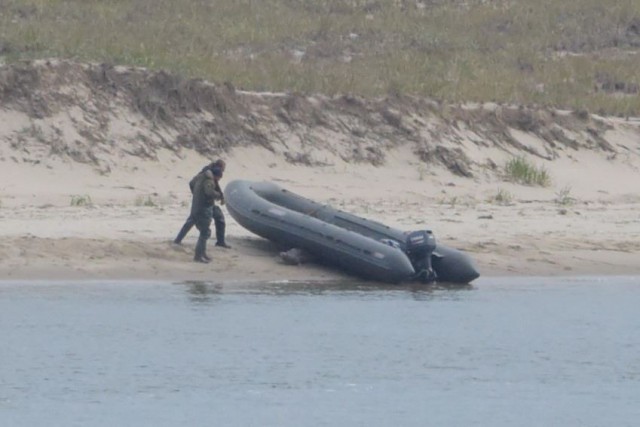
419, 247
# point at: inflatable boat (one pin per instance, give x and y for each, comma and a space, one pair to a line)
363, 247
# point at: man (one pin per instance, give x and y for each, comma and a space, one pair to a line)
204, 193
218, 215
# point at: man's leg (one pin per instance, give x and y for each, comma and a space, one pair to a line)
201, 246
189, 223
218, 218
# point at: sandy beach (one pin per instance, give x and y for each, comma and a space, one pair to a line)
125, 232
63, 217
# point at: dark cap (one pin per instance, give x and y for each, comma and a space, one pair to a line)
216, 171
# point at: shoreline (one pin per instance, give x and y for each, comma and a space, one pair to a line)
528, 238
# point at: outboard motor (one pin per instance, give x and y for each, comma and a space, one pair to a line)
419, 247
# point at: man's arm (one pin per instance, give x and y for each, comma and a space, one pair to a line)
192, 183
211, 189
219, 190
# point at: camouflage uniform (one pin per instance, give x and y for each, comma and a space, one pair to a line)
217, 168
204, 193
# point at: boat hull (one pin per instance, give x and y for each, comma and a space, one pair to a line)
337, 238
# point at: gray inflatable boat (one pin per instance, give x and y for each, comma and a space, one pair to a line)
366, 248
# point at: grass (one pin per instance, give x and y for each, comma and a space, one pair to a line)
502, 197
564, 198
81, 200
422, 172
522, 171
451, 201
146, 201
573, 55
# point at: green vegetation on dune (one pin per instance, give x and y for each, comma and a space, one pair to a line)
522, 171
576, 55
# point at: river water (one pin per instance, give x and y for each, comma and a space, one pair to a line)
503, 352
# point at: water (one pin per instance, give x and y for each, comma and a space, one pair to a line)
504, 352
